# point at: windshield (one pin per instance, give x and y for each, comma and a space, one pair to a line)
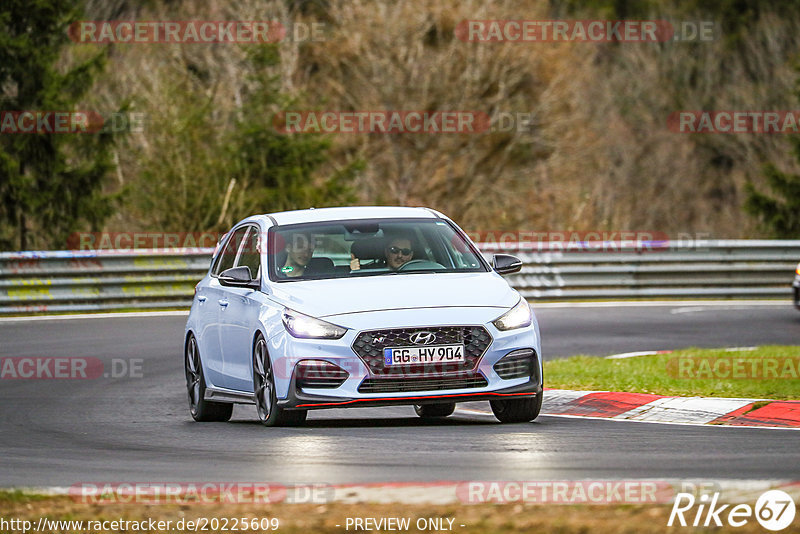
375, 247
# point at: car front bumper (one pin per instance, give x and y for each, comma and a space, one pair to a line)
481, 381
301, 400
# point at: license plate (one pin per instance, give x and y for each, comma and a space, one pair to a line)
417, 355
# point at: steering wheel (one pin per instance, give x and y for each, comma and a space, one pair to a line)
420, 264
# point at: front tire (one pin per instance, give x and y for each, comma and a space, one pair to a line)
427, 411
269, 413
517, 410
201, 409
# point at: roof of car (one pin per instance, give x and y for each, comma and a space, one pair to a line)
355, 212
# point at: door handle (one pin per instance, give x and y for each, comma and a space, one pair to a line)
202, 298
223, 303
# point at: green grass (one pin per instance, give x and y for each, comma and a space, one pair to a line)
670, 374
19, 496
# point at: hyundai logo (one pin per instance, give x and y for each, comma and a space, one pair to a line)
422, 338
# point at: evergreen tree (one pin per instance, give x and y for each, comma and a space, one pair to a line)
282, 167
50, 183
206, 169
779, 213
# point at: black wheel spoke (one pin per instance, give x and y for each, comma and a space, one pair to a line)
192, 372
263, 381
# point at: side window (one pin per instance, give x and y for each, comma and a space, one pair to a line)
424, 250
227, 257
250, 255
458, 249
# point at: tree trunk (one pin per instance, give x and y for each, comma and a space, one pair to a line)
23, 236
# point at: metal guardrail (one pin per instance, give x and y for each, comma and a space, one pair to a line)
59, 281
724, 269
62, 281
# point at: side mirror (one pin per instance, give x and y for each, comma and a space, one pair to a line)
506, 263
238, 277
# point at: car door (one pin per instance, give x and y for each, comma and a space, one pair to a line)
211, 298
207, 329
238, 318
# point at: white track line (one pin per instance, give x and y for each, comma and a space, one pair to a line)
704, 308
624, 355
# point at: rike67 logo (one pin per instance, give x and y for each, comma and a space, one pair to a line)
774, 510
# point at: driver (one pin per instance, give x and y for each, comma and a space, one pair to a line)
398, 252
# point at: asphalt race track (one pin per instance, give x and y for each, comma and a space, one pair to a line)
137, 428
602, 331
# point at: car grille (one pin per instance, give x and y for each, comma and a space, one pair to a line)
369, 347
517, 364
398, 385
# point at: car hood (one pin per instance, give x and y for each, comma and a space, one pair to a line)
323, 298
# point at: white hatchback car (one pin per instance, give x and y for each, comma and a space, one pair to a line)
361, 306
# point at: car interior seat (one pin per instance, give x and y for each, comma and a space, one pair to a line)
370, 252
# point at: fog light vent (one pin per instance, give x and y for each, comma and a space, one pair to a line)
517, 364
319, 374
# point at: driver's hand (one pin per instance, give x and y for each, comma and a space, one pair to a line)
354, 263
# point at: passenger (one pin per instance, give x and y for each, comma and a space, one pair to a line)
299, 250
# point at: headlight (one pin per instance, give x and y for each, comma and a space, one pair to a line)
517, 317
300, 325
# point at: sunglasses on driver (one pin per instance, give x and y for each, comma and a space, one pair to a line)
403, 251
